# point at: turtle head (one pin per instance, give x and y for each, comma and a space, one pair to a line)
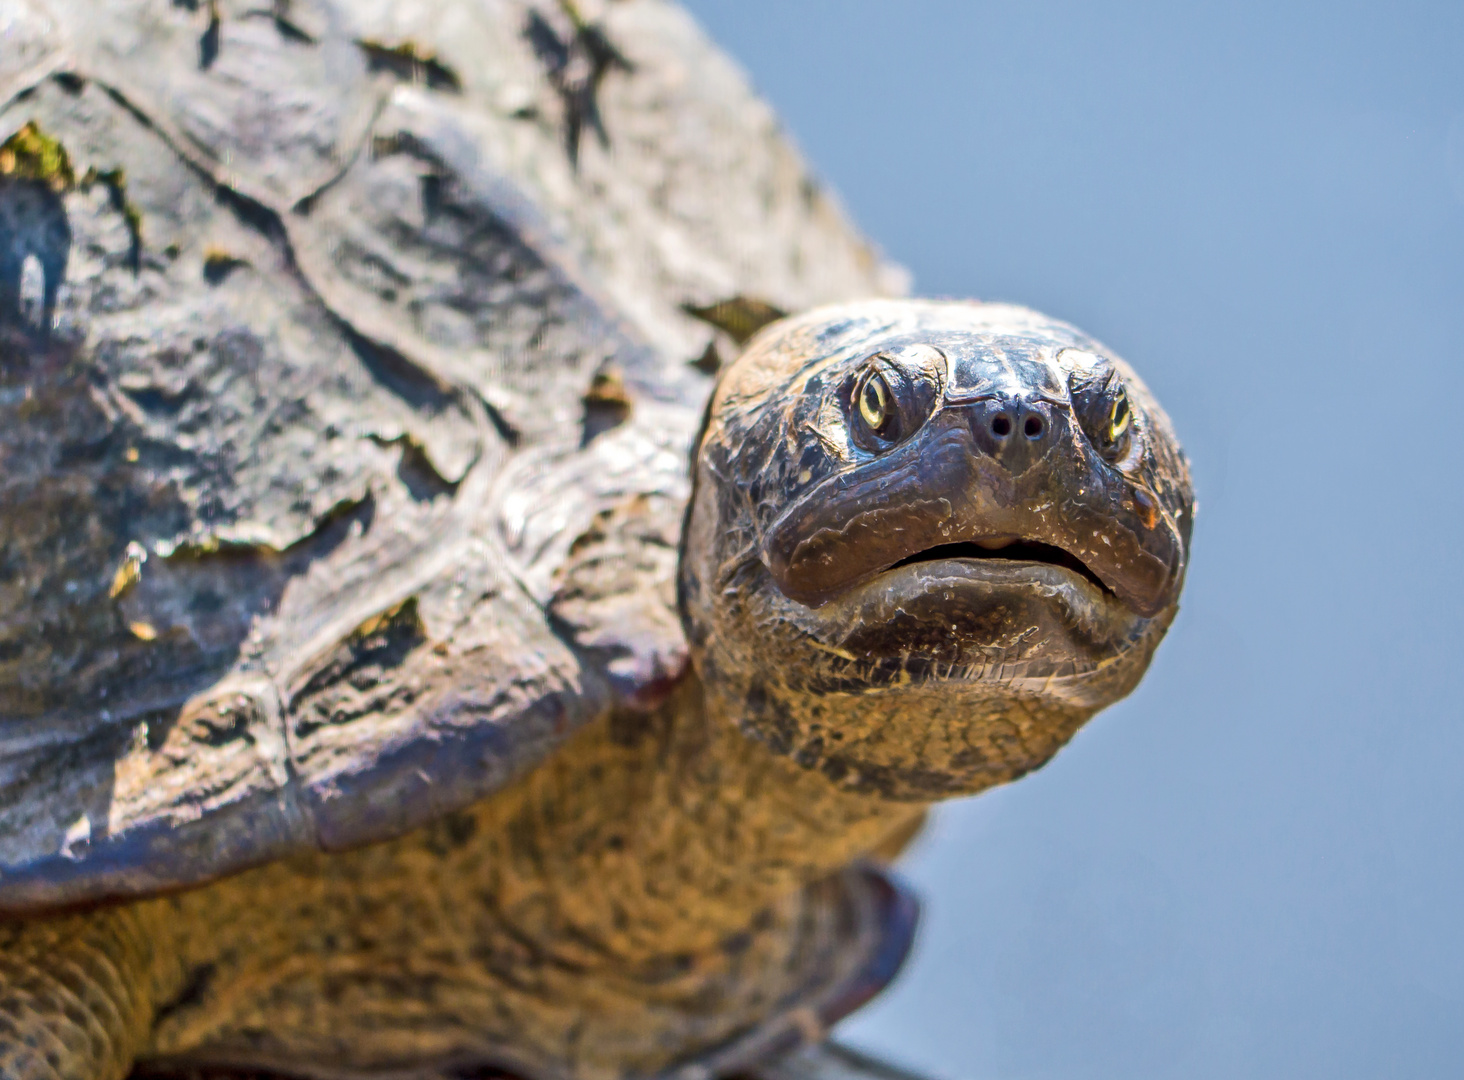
928, 540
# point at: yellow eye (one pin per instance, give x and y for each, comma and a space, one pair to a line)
1118, 418
874, 402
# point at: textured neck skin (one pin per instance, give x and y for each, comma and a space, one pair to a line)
641, 892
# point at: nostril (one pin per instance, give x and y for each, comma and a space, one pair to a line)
1033, 427
1001, 427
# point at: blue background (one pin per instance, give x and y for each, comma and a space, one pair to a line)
1254, 867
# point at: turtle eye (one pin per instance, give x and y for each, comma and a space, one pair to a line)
891, 395
1102, 405
1118, 416
876, 403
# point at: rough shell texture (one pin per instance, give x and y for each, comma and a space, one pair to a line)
345, 402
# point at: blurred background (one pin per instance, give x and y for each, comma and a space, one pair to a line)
1255, 866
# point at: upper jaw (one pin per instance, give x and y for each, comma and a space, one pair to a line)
938, 490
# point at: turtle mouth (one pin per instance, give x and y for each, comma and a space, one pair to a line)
976, 608
1005, 552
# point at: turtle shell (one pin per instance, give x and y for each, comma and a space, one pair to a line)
351, 355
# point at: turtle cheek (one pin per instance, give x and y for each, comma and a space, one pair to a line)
856, 524
815, 566
1121, 532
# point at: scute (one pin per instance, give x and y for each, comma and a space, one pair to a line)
263, 110
308, 533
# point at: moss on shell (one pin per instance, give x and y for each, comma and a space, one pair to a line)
31, 154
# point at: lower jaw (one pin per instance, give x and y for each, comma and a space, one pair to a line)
976, 671
949, 590
974, 632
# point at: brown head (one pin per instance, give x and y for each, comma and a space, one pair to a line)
928, 540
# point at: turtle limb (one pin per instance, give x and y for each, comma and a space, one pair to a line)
76, 995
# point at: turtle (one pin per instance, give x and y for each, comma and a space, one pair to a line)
493, 564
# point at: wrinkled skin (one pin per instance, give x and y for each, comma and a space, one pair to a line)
892, 594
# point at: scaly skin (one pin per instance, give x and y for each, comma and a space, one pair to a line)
77, 993
640, 894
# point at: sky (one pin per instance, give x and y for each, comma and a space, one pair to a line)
1254, 867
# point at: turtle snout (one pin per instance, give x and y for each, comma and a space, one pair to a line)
1015, 431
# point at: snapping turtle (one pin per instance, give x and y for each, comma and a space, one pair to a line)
380, 691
